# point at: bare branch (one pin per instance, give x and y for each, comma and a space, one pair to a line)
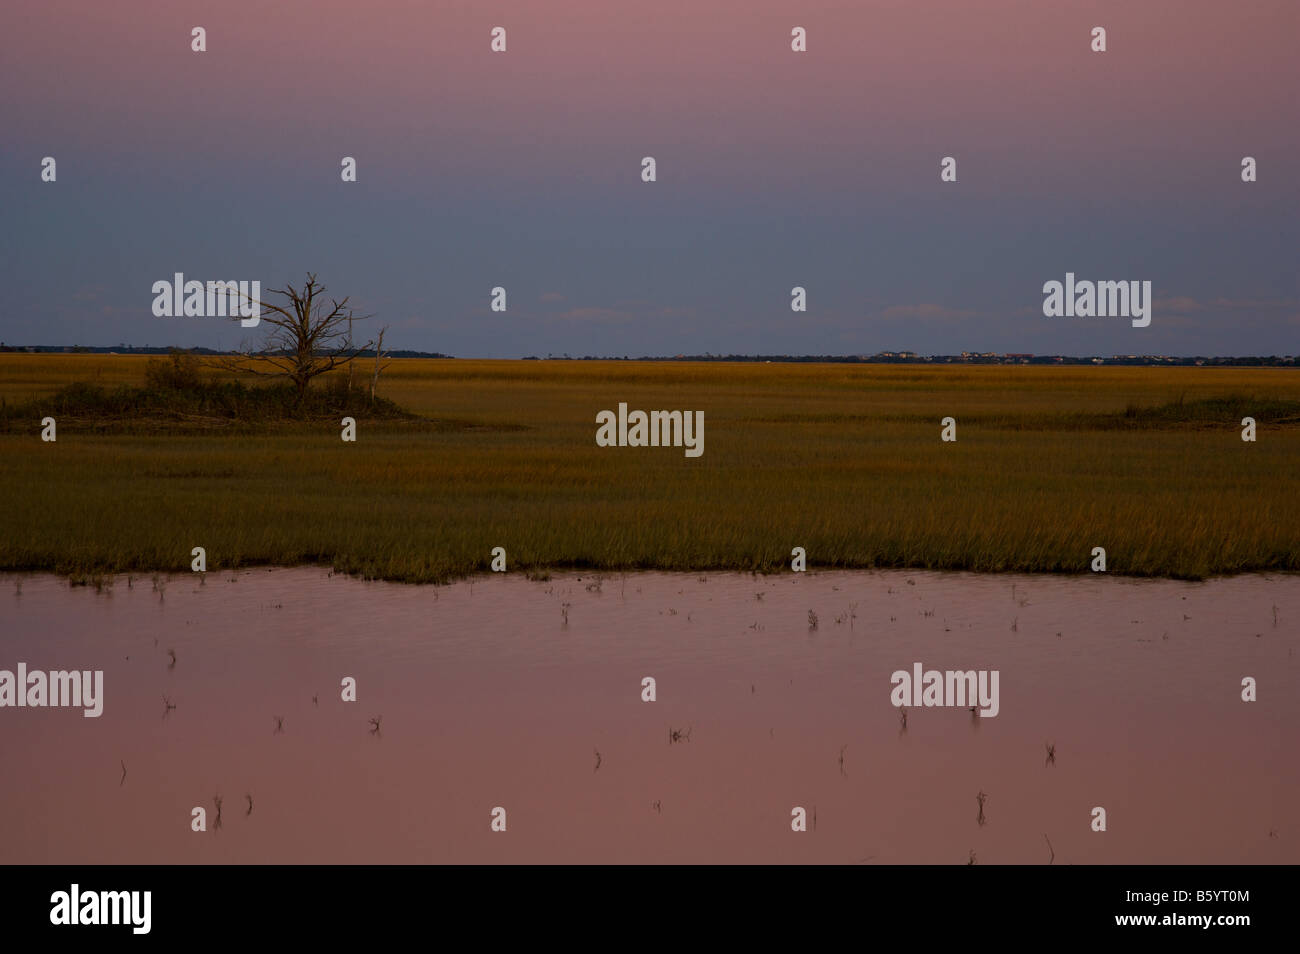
304, 337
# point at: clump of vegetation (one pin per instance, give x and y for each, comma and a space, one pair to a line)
180, 395
1222, 412
180, 371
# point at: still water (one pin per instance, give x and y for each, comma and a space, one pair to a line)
527, 695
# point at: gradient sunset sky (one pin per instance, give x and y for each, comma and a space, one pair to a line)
775, 169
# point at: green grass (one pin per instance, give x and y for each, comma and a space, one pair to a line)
844, 460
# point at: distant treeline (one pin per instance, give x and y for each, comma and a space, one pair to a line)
148, 349
883, 357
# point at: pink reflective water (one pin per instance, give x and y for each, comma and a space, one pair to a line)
487, 697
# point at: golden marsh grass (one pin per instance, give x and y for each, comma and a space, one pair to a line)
844, 460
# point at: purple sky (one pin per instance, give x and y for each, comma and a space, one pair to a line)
775, 169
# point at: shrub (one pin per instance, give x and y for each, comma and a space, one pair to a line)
179, 371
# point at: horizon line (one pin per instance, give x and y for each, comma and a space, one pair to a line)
878, 357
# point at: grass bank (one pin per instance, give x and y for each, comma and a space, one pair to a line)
844, 460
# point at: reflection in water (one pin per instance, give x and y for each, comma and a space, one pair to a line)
771, 694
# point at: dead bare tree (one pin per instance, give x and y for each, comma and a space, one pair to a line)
306, 337
379, 356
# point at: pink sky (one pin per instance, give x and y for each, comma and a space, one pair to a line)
712, 86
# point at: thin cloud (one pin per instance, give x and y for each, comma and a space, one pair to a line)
1185, 303
926, 311
1178, 304
596, 315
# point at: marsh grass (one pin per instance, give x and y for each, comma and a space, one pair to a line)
844, 460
